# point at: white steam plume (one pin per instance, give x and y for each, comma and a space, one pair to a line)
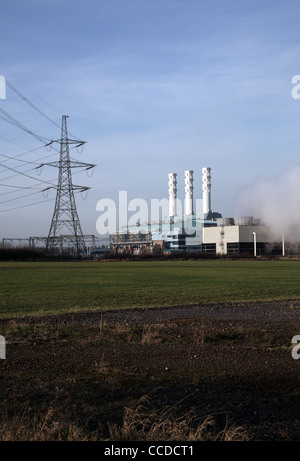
276, 202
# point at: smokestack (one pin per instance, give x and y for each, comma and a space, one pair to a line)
206, 189
172, 194
189, 187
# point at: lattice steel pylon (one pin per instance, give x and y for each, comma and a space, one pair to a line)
65, 229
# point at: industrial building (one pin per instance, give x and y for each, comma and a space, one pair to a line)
188, 228
181, 230
245, 235
237, 235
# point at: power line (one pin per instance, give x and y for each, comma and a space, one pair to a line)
12, 142
24, 98
17, 198
17, 189
37, 189
31, 104
32, 169
8, 118
25, 206
28, 176
26, 86
16, 157
8, 157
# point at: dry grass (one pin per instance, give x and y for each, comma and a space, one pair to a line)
151, 334
198, 334
140, 424
41, 429
24, 332
58, 423
111, 376
123, 331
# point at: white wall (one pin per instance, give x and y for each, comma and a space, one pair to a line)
221, 235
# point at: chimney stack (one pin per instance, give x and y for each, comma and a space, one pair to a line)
206, 189
189, 187
172, 194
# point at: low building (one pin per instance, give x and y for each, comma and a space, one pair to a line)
174, 234
244, 235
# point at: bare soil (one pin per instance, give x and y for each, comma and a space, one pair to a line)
230, 361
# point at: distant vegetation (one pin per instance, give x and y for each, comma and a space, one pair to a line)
39, 254
20, 254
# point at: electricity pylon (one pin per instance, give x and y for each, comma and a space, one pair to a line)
65, 229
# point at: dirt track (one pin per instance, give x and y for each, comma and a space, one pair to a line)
260, 313
230, 361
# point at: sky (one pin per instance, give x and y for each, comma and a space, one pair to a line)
153, 87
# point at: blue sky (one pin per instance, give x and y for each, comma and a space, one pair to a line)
153, 86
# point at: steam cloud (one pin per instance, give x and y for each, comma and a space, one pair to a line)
276, 202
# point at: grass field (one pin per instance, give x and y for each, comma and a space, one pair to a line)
43, 288
207, 373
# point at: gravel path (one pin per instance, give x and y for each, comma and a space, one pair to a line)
257, 313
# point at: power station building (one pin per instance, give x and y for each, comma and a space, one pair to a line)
197, 228
237, 236
181, 229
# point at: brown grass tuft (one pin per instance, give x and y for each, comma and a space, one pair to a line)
163, 425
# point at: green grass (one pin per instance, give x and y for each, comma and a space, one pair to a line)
41, 288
